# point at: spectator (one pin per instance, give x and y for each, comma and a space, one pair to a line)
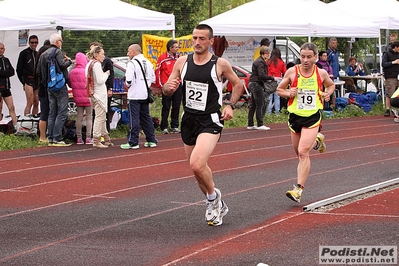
164, 68
333, 57
96, 79
77, 81
7, 71
139, 73
276, 68
390, 65
392, 37
25, 72
58, 100
43, 96
323, 63
107, 65
263, 42
256, 87
354, 68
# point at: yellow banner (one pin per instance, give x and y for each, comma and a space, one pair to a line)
153, 46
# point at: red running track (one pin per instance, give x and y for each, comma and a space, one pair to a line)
82, 206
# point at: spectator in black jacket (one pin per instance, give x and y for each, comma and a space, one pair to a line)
390, 65
7, 71
256, 87
107, 65
25, 72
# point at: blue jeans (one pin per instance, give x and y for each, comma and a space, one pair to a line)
258, 101
273, 98
58, 104
139, 115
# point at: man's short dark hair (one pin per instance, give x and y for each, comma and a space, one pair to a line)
395, 44
33, 37
205, 27
169, 44
264, 42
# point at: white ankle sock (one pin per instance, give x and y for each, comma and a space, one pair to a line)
211, 196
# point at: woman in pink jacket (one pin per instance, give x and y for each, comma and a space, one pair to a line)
77, 79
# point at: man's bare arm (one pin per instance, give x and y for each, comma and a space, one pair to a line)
174, 79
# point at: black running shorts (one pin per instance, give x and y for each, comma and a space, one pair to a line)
296, 122
192, 125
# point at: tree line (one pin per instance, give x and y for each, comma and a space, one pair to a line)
189, 13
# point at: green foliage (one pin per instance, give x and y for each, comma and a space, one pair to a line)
12, 142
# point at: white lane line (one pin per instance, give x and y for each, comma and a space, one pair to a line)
190, 176
215, 156
92, 196
231, 238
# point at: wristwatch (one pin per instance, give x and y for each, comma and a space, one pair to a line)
232, 105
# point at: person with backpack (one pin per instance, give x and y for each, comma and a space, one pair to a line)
58, 98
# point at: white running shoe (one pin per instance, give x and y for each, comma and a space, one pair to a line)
263, 128
251, 127
213, 214
395, 112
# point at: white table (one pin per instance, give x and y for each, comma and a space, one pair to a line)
340, 83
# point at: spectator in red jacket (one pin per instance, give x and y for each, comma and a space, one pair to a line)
164, 68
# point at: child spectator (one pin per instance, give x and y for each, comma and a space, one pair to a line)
77, 79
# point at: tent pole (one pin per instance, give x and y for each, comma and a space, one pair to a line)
381, 81
59, 29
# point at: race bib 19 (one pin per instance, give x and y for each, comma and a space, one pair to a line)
306, 99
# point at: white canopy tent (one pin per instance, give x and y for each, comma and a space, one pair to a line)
311, 18
384, 13
42, 18
81, 15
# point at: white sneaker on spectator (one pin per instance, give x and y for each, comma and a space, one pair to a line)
251, 127
263, 128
